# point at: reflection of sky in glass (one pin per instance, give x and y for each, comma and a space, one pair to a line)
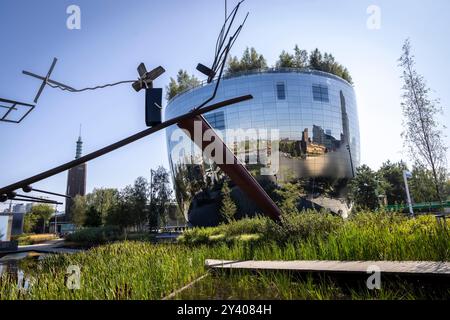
314, 126
285, 101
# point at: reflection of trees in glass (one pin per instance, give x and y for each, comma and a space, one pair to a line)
291, 147
325, 186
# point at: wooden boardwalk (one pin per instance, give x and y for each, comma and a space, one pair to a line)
350, 267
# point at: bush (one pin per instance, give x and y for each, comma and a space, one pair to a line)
96, 236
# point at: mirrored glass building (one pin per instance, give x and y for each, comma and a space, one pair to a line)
315, 117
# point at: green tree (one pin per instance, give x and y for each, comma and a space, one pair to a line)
287, 197
250, 60
183, 82
93, 217
327, 63
421, 185
365, 189
228, 208
285, 60
297, 60
121, 214
392, 174
102, 199
315, 60
139, 202
160, 196
43, 212
300, 57
29, 222
422, 131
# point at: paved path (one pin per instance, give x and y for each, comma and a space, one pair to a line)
52, 246
389, 267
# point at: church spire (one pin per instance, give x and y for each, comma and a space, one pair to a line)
79, 145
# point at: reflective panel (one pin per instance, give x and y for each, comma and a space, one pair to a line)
315, 115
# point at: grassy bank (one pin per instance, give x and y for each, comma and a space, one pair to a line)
29, 239
141, 270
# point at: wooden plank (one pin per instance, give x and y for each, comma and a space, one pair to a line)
392, 267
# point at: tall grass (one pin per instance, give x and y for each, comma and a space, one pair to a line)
366, 236
141, 270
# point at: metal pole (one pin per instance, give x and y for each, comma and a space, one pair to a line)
56, 220
351, 160
235, 169
408, 196
121, 143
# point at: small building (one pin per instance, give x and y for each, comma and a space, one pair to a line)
6, 220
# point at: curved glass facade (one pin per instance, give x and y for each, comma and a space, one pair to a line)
315, 114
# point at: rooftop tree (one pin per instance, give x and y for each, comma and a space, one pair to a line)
297, 60
327, 63
183, 82
250, 60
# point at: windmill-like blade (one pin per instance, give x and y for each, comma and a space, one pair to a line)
155, 73
121, 143
51, 68
31, 74
142, 70
44, 83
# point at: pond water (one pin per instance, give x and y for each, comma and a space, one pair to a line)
14, 266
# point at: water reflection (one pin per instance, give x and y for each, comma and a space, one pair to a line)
18, 267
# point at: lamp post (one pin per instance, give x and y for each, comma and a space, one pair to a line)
56, 220
407, 175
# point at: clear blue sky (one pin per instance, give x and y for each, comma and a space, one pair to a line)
116, 36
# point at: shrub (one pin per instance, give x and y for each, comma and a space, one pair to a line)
95, 236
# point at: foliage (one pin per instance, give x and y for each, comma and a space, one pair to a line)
365, 189
122, 214
160, 196
287, 197
92, 210
250, 60
297, 60
95, 236
93, 218
29, 222
124, 270
42, 213
183, 82
78, 210
421, 185
422, 131
228, 208
392, 174
327, 63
